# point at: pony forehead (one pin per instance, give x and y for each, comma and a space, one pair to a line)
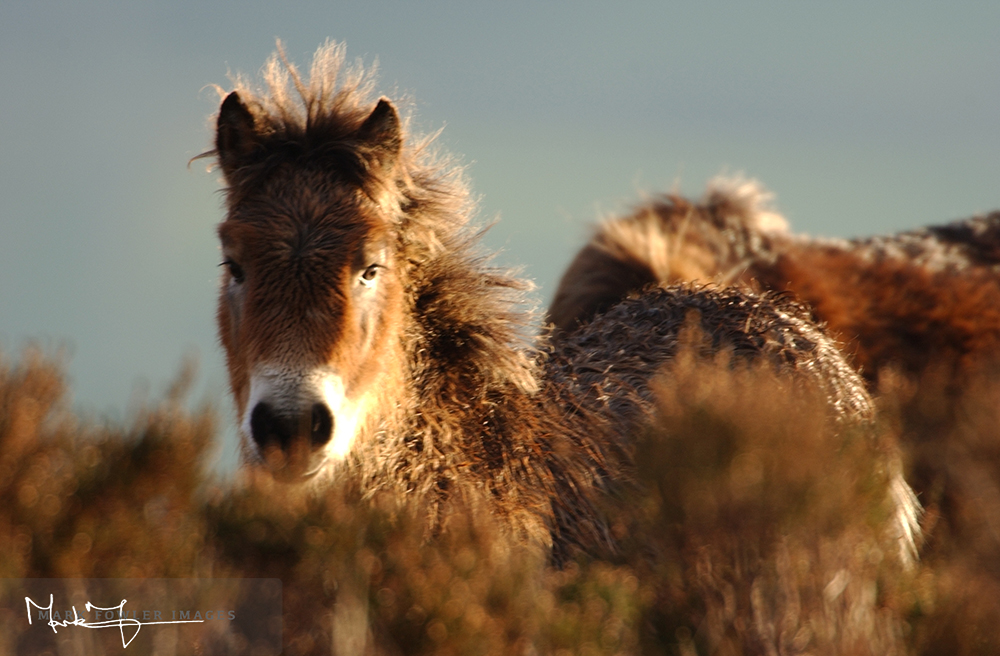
309, 158
329, 232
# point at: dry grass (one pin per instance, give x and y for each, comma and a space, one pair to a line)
952, 438
770, 524
761, 530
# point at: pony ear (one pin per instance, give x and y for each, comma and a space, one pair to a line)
382, 135
235, 136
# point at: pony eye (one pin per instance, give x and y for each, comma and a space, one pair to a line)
235, 270
369, 274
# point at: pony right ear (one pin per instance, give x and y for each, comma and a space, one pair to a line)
235, 136
382, 135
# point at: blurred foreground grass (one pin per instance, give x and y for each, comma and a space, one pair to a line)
760, 528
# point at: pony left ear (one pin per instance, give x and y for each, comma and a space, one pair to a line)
382, 135
235, 136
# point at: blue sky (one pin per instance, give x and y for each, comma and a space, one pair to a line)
861, 118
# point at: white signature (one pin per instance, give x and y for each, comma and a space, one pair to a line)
120, 621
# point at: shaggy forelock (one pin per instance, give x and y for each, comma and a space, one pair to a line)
316, 118
334, 98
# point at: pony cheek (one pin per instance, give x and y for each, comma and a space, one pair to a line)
374, 318
228, 315
366, 362
234, 362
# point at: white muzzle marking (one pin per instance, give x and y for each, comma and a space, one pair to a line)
290, 390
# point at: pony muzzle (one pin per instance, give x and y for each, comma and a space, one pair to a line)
296, 421
291, 442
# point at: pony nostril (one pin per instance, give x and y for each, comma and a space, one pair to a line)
269, 429
321, 427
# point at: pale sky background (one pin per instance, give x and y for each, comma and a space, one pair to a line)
861, 118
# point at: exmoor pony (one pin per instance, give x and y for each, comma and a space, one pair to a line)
366, 337
918, 312
906, 301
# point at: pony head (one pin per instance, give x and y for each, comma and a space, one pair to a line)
311, 299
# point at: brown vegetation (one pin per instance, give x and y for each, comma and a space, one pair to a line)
761, 524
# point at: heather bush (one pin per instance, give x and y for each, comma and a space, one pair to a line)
759, 527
